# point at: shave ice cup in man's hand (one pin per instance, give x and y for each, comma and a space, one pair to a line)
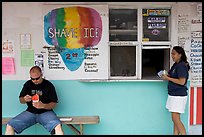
35, 98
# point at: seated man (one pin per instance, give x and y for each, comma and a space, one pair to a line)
40, 96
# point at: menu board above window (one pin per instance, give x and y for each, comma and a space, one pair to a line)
156, 24
156, 12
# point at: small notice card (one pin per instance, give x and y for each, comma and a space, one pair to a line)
162, 72
25, 41
27, 58
7, 46
8, 65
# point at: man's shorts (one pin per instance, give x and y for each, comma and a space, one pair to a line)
48, 120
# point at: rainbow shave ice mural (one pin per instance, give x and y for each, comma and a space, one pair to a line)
71, 30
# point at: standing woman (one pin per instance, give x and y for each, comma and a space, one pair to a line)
177, 91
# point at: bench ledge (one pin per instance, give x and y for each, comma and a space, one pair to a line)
75, 119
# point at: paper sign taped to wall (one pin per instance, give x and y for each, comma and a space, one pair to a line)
8, 66
7, 46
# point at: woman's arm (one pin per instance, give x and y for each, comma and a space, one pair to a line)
180, 81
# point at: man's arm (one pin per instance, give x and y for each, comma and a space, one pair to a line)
50, 105
25, 99
41, 105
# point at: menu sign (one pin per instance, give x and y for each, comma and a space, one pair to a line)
196, 62
155, 22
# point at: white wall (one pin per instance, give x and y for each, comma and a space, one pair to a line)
20, 18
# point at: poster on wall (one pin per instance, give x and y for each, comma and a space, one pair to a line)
199, 9
27, 58
196, 62
8, 66
190, 38
196, 52
183, 23
76, 39
39, 61
7, 46
25, 41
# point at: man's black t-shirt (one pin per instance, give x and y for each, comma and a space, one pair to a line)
45, 90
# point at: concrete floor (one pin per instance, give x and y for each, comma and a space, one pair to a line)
195, 130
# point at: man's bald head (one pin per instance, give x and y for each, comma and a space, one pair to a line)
35, 69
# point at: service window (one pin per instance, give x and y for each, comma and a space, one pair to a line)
139, 53
123, 60
122, 42
154, 60
156, 42
123, 25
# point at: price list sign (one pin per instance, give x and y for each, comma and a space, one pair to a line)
196, 62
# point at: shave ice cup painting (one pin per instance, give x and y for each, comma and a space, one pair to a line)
73, 31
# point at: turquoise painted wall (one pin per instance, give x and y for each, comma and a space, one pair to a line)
128, 108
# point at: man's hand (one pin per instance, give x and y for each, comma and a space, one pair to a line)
27, 98
38, 105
